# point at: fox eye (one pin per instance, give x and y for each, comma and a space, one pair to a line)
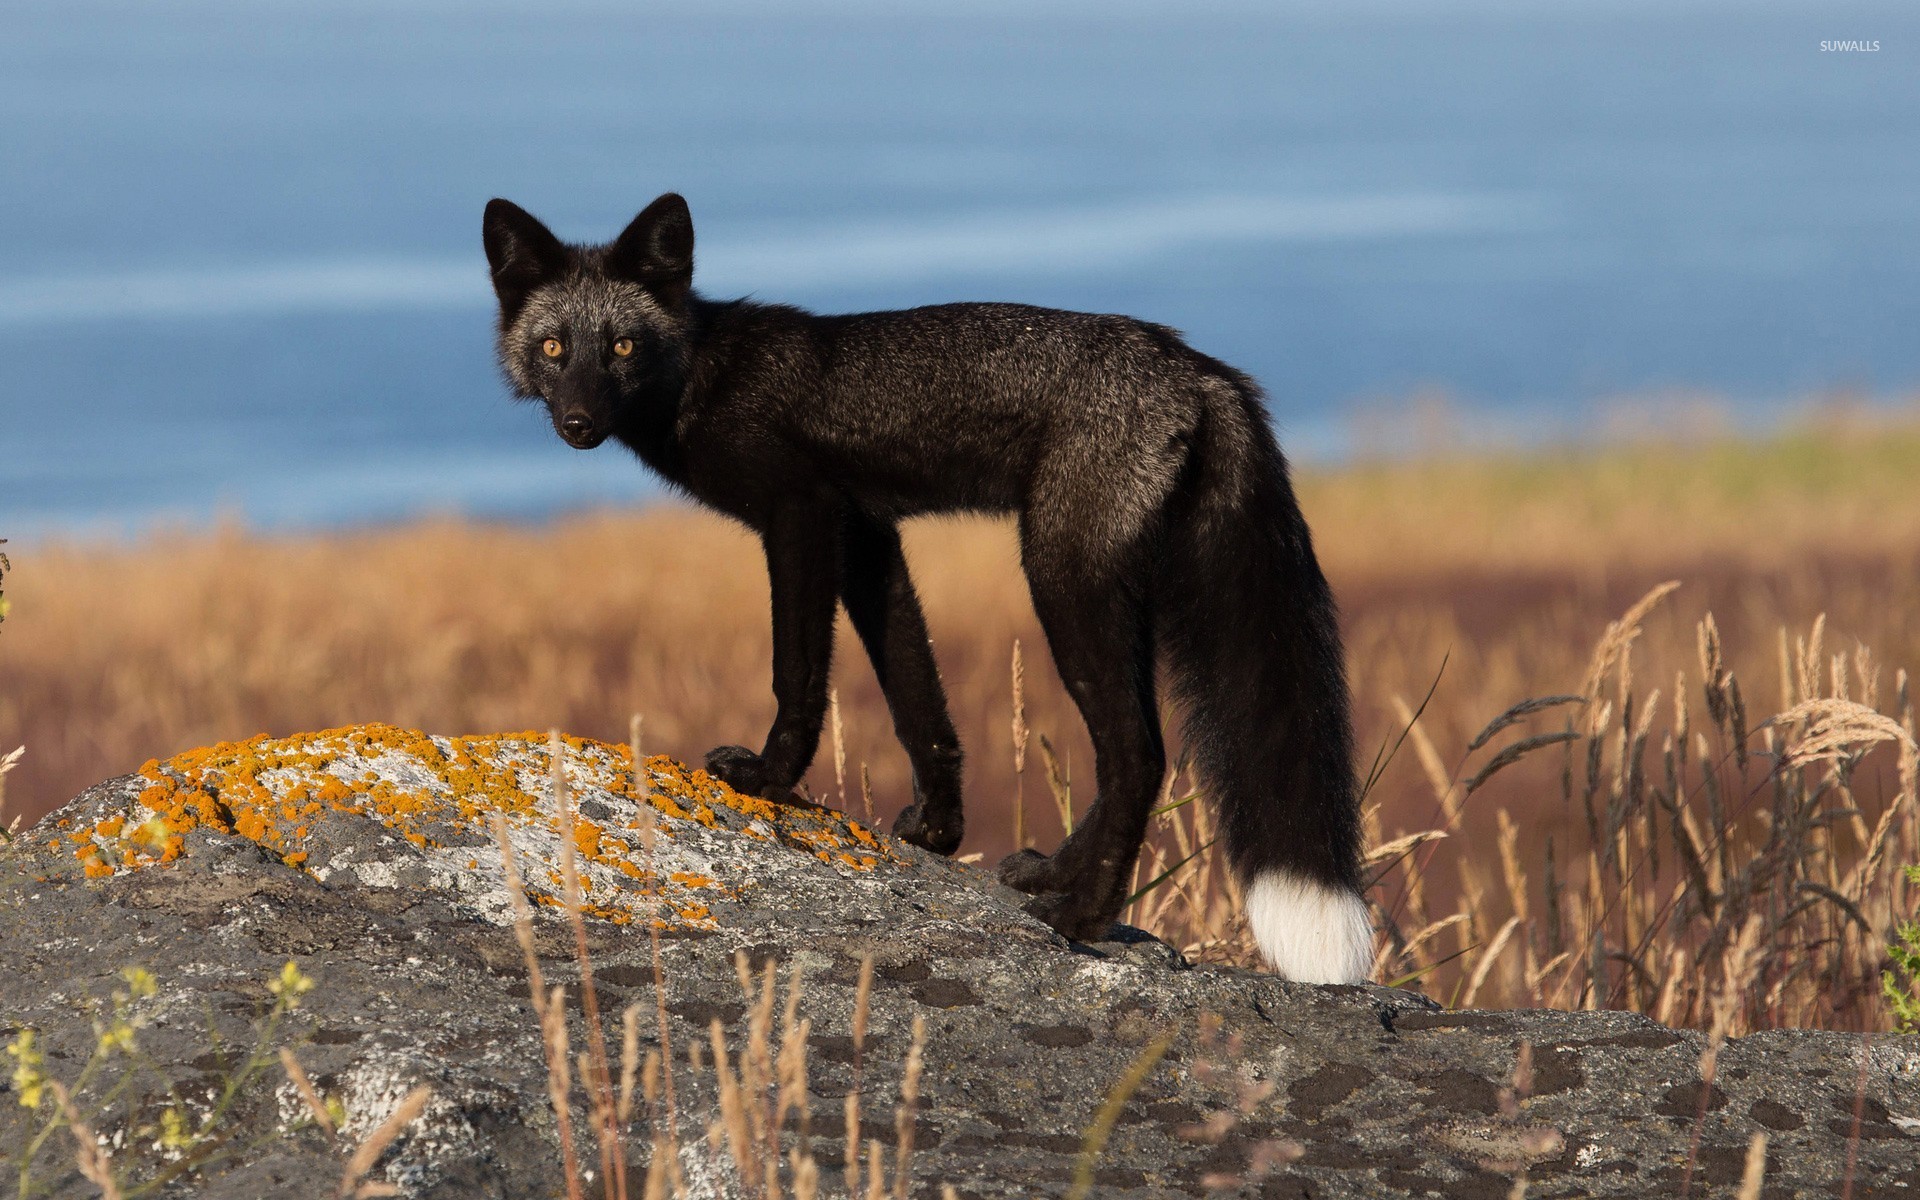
622, 347
552, 348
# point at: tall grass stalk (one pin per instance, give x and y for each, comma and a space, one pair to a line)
1688, 837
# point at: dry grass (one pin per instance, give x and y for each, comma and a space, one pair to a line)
760, 1123
1506, 568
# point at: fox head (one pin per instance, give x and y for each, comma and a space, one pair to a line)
594, 332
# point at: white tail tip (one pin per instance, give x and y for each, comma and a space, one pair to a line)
1308, 931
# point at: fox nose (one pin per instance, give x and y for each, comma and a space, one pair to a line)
577, 425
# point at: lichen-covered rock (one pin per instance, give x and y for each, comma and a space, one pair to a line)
367, 857
387, 807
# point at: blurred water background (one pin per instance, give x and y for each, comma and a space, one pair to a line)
240, 266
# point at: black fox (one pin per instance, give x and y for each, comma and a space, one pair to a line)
1155, 514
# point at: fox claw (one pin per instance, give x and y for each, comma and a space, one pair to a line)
739, 768
941, 837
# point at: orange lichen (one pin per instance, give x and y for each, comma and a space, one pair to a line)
276, 792
586, 837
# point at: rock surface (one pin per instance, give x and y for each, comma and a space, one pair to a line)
365, 857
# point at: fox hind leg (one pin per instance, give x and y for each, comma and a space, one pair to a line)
1098, 625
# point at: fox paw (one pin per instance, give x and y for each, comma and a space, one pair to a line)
739, 768
1070, 916
940, 834
1030, 871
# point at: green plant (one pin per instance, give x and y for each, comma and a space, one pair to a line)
1901, 984
153, 1148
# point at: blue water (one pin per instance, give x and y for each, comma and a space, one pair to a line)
240, 270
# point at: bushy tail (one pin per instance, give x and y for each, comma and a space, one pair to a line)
1253, 642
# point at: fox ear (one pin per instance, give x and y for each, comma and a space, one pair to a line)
657, 248
522, 252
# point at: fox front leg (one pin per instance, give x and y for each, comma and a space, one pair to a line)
885, 611
802, 544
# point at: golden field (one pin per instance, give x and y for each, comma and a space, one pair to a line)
1772, 861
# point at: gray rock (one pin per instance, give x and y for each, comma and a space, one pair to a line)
365, 856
